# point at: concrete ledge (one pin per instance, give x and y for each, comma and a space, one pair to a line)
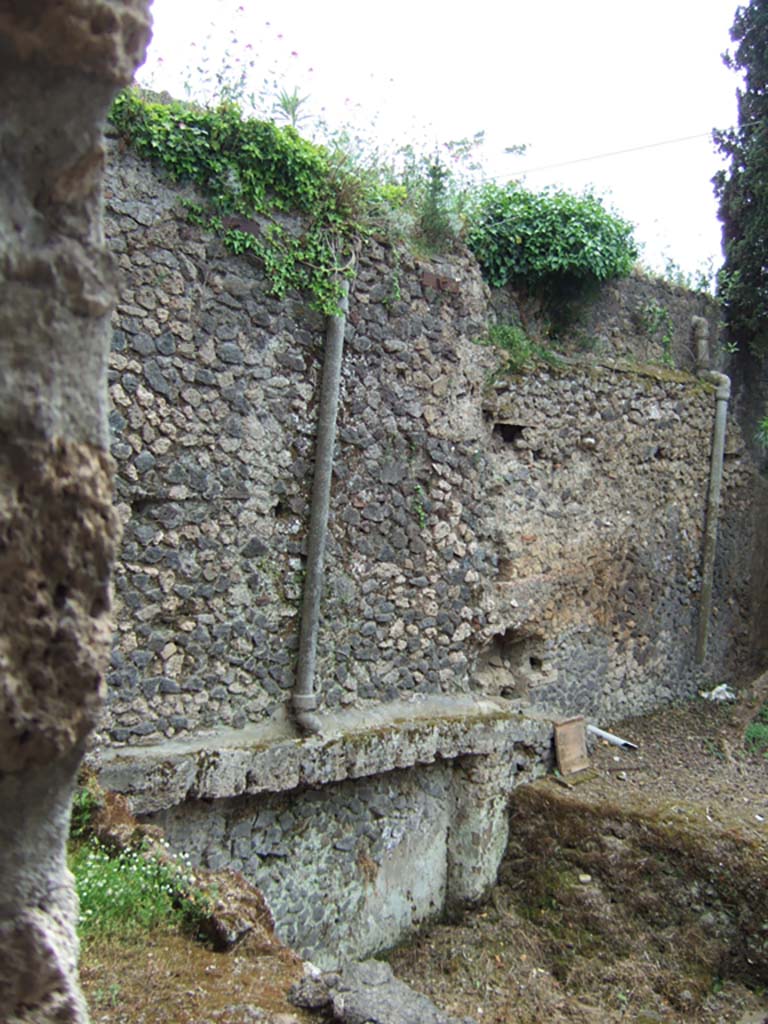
353, 743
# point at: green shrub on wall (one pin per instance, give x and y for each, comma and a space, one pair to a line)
521, 351
549, 239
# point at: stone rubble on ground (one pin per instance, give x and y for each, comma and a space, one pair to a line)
367, 992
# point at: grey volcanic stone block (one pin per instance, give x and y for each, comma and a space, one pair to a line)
369, 993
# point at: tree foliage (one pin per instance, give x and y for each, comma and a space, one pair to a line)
742, 189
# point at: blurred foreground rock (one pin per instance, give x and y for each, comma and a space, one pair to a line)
60, 65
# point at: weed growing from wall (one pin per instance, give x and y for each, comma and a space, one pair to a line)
436, 191
435, 221
521, 352
656, 322
419, 506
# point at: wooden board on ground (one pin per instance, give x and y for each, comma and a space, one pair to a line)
571, 745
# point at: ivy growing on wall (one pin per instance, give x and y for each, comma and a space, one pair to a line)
251, 170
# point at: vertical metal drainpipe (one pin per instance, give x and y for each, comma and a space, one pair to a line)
304, 698
722, 394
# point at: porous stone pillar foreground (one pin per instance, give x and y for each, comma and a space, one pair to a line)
61, 62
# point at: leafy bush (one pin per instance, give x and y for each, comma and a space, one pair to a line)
545, 239
133, 891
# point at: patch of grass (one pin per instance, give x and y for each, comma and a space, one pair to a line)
756, 733
134, 891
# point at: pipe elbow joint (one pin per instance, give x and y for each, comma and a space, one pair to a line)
304, 706
308, 722
722, 382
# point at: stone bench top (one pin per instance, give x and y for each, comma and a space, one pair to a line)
275, 757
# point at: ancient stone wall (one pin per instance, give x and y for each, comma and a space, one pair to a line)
213, 425
597, 482
503, 549
538, 536
642, 318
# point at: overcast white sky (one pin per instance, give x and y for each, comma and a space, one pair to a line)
569, 79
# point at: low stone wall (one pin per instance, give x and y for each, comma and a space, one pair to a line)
354, 836
336, 865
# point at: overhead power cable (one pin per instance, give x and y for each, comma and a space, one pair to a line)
621, 152
616, 152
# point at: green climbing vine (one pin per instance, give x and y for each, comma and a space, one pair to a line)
249, 172
252, 172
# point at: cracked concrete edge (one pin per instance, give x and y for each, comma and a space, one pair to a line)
352, 745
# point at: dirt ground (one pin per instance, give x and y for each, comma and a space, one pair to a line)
561, 940
564, 938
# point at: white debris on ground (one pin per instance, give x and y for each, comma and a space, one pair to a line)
723, 692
